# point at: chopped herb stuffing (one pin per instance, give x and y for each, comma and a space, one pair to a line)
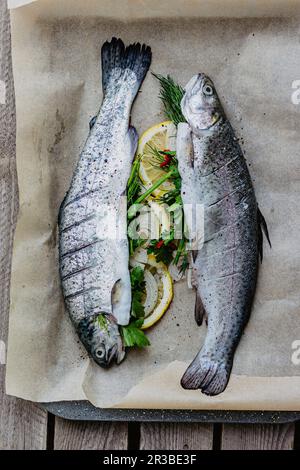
132, 333
102, 322
168, 249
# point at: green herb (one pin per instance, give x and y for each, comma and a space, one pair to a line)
134, 336
162, 251
171, 95
171, 197
180, 251
185, 264
137, 308
138, 289
134, 182
132, 333
158, 183
137, 278
102, 322
160, 155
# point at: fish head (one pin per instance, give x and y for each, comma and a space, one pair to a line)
200, 104
101, 337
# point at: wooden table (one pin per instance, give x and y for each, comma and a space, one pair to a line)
24, 425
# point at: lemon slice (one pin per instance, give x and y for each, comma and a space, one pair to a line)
151, 292
139, 258
163, 279
162, 136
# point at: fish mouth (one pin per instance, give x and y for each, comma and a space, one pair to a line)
111, 354
121, 355
195, 83
116, 353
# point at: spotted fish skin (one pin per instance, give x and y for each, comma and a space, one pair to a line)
93, 246
225, 263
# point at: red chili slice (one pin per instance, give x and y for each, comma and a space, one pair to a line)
166, 161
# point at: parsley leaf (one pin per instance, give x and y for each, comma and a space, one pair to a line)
137, 308
137, 278
137, 288
132, 333
134, 336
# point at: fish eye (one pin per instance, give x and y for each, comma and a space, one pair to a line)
100, 353
208, 89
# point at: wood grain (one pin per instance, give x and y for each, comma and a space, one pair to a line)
22, 425
176, 436
75, 435
258, 437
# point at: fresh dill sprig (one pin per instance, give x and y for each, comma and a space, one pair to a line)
171, 95
185, 263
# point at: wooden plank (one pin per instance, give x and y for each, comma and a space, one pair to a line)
77, 435
176, 436
22, 425
258, 437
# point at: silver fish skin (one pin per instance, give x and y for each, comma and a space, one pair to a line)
93, 246
225, 262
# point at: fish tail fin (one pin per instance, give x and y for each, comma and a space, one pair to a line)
117, 59
207, 374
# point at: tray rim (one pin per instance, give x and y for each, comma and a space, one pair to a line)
85, 411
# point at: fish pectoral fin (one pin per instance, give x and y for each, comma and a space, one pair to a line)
131, 143
262, 230
121, 301
200, 312
184, 149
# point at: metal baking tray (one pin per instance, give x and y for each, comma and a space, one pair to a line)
83, 410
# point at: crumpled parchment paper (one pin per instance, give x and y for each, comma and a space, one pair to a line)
253, 58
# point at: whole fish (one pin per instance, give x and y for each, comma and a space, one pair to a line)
225, 262
93, 247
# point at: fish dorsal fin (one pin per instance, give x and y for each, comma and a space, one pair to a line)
262, 230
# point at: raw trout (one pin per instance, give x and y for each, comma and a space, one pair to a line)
225, 264
93, 247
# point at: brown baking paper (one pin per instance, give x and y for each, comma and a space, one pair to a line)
254, 63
